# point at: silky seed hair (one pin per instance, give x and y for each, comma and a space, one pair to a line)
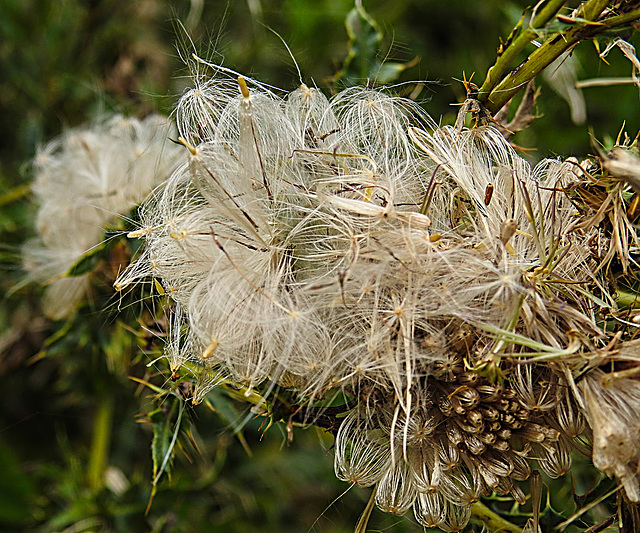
612, 406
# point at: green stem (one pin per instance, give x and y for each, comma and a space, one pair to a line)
623, 19
100, 441
495, 94
548, 52
514, 48
492, 520
15, 194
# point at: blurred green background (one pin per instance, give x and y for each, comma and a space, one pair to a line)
63, 62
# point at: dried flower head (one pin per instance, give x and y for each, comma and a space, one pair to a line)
430, 275
612, 404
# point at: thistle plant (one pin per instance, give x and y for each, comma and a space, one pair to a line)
452, 314
421, 292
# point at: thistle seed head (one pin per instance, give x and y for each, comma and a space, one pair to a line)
84, 181
431, 276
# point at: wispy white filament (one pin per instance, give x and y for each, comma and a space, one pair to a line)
350, 244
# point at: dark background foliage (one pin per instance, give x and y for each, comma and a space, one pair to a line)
62, 63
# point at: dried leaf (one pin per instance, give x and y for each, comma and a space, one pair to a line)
562, 75
524, 114
623, 164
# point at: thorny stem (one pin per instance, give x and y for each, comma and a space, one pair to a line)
517, 45
494, 95
491, 520
626, 18
539, 59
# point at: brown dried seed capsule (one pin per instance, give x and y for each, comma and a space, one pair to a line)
533, 433
490, 413
507, 418
454, 434
516, 425
495, 426
522, 414
474, 418
521, 468
449, 455
447, 368
474, 444
470, 399
457, 407
504, 434
499, 464
570, 418
468, 378
490, 479
468, 428
505, 486
503, 404
517, 494
501, 446
555, 461
462, 342
490, 393
509, 394
445, 406
467, 397
488, 438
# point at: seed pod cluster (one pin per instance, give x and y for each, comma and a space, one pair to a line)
465, 437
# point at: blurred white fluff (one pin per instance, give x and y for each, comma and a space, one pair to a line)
84, 180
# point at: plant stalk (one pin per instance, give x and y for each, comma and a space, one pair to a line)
492, 521
516, 46
494, 95
100, 441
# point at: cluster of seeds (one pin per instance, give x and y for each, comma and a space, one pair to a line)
448, 290
466, 437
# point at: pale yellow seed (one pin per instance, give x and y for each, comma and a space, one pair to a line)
142, 232
243, 87
211, 349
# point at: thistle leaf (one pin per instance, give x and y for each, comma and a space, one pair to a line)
86, 263
164, 439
